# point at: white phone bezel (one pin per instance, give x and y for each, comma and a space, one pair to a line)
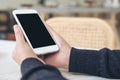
40, 50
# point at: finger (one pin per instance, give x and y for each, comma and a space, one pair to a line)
53, 32
41, 57
19, 35
50, 29
58, 39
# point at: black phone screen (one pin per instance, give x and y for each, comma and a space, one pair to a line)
35, 30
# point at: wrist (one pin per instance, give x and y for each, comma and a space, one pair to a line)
26, 56
67, 58
35, 57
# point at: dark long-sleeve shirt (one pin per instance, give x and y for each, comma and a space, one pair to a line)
104, 63
33, 69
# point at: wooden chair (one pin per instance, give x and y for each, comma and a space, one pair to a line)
84, 32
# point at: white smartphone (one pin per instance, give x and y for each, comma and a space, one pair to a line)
35, 31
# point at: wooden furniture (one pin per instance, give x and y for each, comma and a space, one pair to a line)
84, 32
4, 24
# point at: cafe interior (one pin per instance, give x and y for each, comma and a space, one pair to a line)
86, 24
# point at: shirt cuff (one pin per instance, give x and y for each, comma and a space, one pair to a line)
84, 61
29, 64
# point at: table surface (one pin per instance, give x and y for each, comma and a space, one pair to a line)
9, 70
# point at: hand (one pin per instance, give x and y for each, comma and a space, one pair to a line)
61, 58
22, 49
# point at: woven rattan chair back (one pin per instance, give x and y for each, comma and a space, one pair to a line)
84, 32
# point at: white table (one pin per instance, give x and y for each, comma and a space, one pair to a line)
9, 70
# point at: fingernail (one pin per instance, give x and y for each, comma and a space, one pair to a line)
15, 28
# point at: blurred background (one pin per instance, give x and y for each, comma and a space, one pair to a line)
109, 10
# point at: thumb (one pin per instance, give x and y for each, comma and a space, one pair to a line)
19, 35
